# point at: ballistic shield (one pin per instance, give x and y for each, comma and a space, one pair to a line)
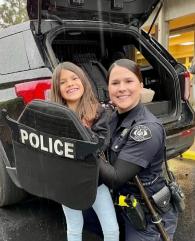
55, 155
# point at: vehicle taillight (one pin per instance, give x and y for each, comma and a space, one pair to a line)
186, 91
33, 90
187, 132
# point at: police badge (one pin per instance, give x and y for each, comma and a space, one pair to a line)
140, 133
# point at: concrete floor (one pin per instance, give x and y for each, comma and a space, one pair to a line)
185, 172
38, 219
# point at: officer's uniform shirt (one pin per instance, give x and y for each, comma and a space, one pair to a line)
143, 146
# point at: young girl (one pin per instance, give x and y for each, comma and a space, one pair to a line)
71, 87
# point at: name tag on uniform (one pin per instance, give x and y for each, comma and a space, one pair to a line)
46, 143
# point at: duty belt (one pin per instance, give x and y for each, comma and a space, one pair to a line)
147, 184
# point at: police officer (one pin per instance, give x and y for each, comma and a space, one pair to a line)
137, 148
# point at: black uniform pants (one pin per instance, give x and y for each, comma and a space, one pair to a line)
151, 233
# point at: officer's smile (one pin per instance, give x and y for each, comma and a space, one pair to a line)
123, 97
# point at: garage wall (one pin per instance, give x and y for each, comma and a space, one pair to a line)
174, 9
178, 8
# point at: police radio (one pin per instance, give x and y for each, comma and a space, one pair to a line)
177, 195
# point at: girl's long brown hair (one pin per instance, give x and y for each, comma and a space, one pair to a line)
88, 105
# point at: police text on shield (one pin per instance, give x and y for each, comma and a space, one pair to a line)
49, 144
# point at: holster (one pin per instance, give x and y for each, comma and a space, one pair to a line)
162, 199
134, 213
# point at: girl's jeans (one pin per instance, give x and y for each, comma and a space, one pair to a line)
104, 208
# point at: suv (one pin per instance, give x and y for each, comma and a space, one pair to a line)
91, 34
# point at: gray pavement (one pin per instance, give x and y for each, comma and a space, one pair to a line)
185, 172
35, 220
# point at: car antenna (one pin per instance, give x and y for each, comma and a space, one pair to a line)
39, 16
154, 20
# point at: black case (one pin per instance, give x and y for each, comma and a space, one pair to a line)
70, 181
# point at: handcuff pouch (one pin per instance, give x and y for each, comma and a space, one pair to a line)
162, 199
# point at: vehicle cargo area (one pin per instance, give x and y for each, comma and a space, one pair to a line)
103, 48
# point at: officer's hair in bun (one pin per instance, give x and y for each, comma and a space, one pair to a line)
128, 64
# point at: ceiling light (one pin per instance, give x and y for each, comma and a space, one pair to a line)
174, 35
187, 43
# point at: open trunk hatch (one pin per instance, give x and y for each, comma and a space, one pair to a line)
117, 11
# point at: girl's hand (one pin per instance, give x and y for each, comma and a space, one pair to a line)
86, 123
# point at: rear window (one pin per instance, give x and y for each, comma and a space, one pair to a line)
13, 59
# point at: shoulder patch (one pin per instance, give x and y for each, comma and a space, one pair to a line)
140, 133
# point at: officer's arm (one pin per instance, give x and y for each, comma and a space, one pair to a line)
118, 174
101, 128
